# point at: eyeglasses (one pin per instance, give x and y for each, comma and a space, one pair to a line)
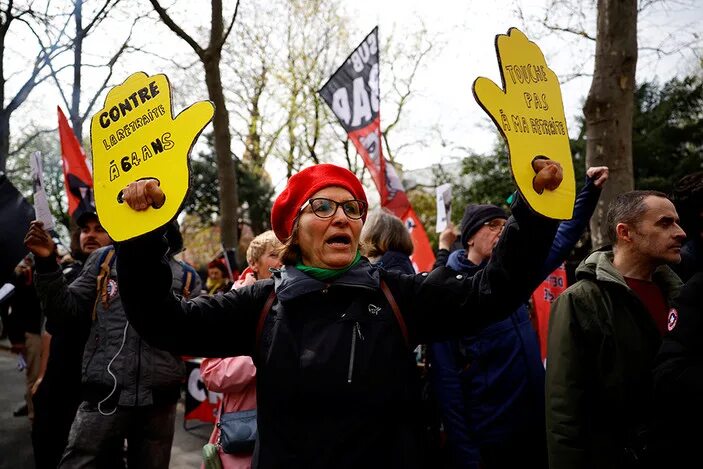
326, 208
496, 224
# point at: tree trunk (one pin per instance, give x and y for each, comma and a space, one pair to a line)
226, 174
4, 116
226, 171
4, 140
75, 111
609, 106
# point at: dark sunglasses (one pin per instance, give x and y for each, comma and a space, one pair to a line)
326, 208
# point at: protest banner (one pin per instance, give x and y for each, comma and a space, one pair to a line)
77, 177
542, 299
200, 403
135, 136
352, 93
529, 113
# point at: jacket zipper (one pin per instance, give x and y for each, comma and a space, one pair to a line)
139, 370
356, 331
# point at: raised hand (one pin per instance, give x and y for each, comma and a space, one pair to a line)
38, 240
448, 237
134, 138
599, 174
529, 113
140, 195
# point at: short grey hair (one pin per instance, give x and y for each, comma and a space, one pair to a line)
628, 208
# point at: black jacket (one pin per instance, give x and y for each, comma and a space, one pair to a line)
678, 382
336, 384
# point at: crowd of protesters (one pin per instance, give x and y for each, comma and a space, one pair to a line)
349, 358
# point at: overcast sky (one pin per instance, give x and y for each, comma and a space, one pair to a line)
466, 32
442, 108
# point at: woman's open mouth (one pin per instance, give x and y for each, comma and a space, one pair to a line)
339, 241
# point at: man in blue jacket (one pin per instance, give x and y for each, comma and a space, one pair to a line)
490, 386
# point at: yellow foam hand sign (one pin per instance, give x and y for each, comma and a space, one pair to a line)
529, 113
135, 136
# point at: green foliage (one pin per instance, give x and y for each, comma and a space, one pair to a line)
256, 190
490, 180
425, 206
254, 185
667, 132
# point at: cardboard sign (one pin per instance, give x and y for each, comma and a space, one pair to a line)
444, 206
529, 113
135, 136
41, 203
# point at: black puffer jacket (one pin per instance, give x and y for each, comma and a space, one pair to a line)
335, 380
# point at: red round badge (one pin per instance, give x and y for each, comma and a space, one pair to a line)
673, 318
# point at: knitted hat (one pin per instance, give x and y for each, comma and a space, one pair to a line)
474, 218
302, 186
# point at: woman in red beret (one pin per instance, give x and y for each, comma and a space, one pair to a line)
331, 336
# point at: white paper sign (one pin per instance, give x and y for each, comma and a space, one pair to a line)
444, 206
41, 204
6, 291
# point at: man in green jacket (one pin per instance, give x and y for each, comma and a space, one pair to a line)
604, 333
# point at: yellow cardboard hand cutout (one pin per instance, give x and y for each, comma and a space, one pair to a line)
135, 137
529, 113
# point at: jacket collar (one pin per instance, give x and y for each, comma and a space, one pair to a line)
599, 264
291, 283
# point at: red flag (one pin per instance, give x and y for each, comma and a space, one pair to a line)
353, 94
76, 175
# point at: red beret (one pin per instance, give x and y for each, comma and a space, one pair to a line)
302, 186
218, 263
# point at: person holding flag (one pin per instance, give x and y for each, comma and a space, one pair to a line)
330, 335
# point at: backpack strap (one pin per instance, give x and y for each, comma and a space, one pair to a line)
106, 260
396, 312
263, 315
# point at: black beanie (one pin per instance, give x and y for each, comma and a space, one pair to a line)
474, 218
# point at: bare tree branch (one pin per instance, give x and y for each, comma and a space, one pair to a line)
110, 65
99, 16
177, 29
229, 28
170, 60
403, 95
29, 140
577, 32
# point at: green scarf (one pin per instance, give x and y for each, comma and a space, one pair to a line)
327, 274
